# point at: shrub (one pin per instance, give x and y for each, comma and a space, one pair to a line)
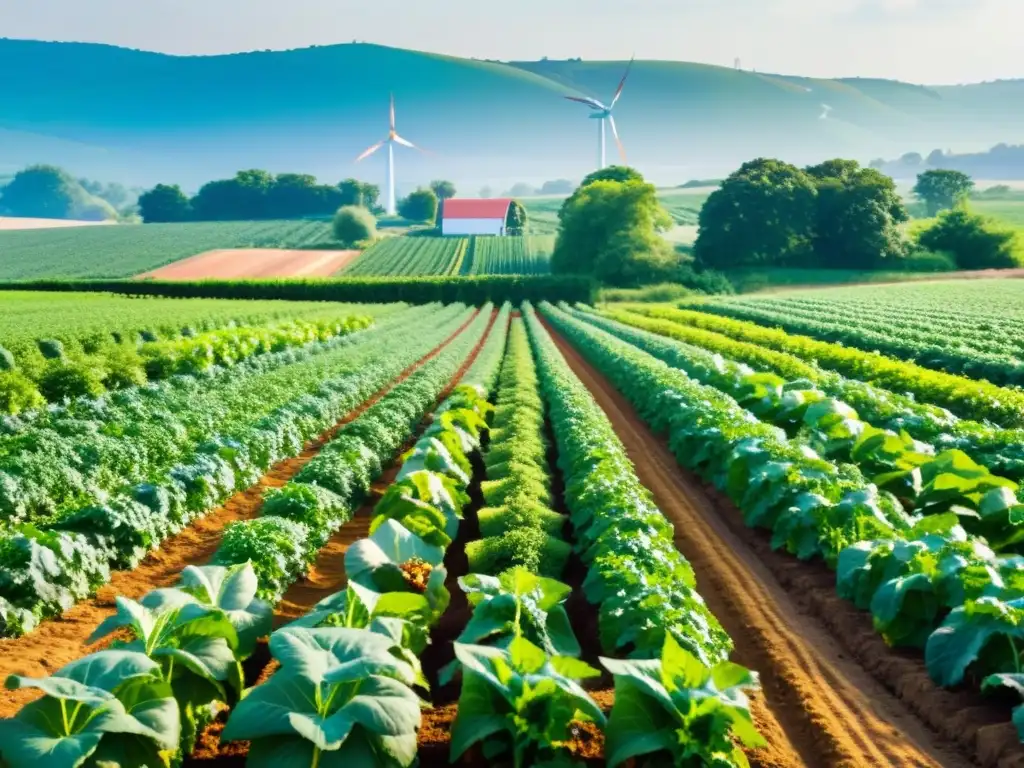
319, 509
69, 380
18, 393
277, 548
420, 205
51, 349
353, 224
975, 241
123, 368
530, 548
923, 260
6, 360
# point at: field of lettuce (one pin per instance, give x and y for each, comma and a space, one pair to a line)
320, 535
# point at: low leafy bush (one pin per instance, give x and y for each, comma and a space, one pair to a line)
66, 381
51, 349
354, 224
276, 547
6, 360
18, 393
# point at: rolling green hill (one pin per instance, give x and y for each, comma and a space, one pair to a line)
139, 117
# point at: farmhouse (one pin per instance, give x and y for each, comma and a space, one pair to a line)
475, 217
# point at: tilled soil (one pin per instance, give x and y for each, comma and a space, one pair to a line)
59, 641
235, 263
818, 706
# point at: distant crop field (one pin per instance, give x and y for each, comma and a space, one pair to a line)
128, 250
477, 255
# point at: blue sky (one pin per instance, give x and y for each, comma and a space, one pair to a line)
926, 41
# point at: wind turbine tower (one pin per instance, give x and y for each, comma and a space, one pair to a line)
392, 139
603, 114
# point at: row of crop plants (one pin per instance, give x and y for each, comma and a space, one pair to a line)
1000, 449
940, 348
504, 256
421, 255
177, 662
98, 485
56, 377
965, 397
933, 558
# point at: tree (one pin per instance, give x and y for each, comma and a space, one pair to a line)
610, 230
974, 241
355, 192
912, 159
520, 189
858, 216
48, 192
935, 158
940, 189
557, 187
243, 197
762, 215
353, 224
420, 205
515, 219
444, 190
164, 203
612, 173
486, 192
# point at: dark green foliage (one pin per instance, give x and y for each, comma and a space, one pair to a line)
6, 360
443, 189
353, 224
69, 380
355, 192
51, 349
770, 214
975, 241
164, 203
942, 189
415, 290
420, 205
762, 215
515, 220
530, 548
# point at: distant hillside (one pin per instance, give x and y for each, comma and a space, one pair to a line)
141, 117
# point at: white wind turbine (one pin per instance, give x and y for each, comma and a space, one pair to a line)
392, 139
603, 114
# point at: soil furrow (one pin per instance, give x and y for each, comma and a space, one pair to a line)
829, 711
58, 641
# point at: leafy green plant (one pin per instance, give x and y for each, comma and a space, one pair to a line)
393, 559
517, 603
51, 349
429, 504
108, 708
340, 698
66, 381
677, 708
277, 548
18, 393
521, 703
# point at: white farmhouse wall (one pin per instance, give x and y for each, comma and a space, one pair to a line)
472, 226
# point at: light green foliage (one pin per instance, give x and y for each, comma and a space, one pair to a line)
129, 250
353, 225
420, 205
508, 255
420, 255
610, 229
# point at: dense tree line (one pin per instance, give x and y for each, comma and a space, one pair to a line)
773, 214
255, 194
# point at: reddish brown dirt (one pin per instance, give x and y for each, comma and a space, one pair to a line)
821, 708
58, 641
229, 264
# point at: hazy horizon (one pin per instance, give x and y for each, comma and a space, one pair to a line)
797, 37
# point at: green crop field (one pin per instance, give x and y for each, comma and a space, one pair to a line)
959, 326
128, 250
430, 510
476, 255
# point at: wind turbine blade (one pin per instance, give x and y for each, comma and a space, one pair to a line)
406, 143
618, 141
370, 151
622, 83
592, 103
392, 113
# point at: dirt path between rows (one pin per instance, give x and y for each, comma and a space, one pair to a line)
61, 640
822, 708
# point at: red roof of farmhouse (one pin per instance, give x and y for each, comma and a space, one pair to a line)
465, 208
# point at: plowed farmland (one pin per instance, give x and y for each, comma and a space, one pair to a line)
382, 534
